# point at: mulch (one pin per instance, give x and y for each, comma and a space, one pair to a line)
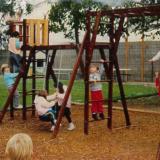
139, 142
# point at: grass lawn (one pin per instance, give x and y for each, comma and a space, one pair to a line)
131, 90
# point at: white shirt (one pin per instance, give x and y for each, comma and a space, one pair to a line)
42, 105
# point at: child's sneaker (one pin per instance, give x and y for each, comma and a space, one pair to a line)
52, 128
101, 115
18, 107
71, 126
94, 116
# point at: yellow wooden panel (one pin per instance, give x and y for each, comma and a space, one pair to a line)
31, 38
41, 34
45, 33
37, 38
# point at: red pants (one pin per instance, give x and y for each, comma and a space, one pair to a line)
97, 106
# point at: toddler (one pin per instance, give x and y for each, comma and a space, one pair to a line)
96, 92
45, 109
59, 96
9, 79
19, 147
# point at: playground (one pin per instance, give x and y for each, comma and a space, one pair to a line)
139, 142
127, 129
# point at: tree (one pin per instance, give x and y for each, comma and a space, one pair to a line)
68, 16
146, 26
11, 7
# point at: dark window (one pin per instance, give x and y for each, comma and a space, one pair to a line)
39, 62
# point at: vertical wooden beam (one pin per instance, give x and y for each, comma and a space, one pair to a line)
50, 71
31, 38
123, 99
37, 42
20, 31
110, 74
142, 58
126, 50
24, 76
45, 33
71, 81
86, 77
33, 83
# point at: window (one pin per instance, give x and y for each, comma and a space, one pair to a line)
40, 63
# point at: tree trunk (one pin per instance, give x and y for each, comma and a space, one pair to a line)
77, 43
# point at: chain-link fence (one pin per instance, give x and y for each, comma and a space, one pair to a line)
133, 61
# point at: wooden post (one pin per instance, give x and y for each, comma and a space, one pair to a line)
110, 85
37, 33
142, 58
24, 76
126, 50
45, 32
86, 77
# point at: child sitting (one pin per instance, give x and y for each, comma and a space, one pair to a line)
59, 96
9, 79
96, 92
45, 109
19, 147
157, 82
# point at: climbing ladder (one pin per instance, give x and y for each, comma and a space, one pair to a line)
35, 32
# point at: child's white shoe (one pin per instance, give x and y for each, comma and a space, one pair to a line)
71, 126
18, 107
52, 128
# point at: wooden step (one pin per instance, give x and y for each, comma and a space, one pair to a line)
100, 62
99, 81
100, 100
36, 76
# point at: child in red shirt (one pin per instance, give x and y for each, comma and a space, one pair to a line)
157, 82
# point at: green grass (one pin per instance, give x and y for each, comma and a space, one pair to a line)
131, 90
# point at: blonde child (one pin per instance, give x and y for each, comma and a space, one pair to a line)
157, 82
59, 96
45, 109
19, 147
96, 92
9, 79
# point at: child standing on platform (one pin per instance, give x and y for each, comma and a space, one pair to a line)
9, 79
157, 82
59, 96
15, 52
96, 92
45, 109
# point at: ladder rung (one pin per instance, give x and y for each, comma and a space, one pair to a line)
98, 119
38, 76
100, 62
100, 100
99, 81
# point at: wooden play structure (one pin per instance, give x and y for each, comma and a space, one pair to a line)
35, 38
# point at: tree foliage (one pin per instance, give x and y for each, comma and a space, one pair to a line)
11, 7
147, 26
68, 16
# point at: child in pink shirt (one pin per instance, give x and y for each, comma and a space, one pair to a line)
59, 96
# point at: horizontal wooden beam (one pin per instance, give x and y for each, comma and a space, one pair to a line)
130, 12
65, 46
